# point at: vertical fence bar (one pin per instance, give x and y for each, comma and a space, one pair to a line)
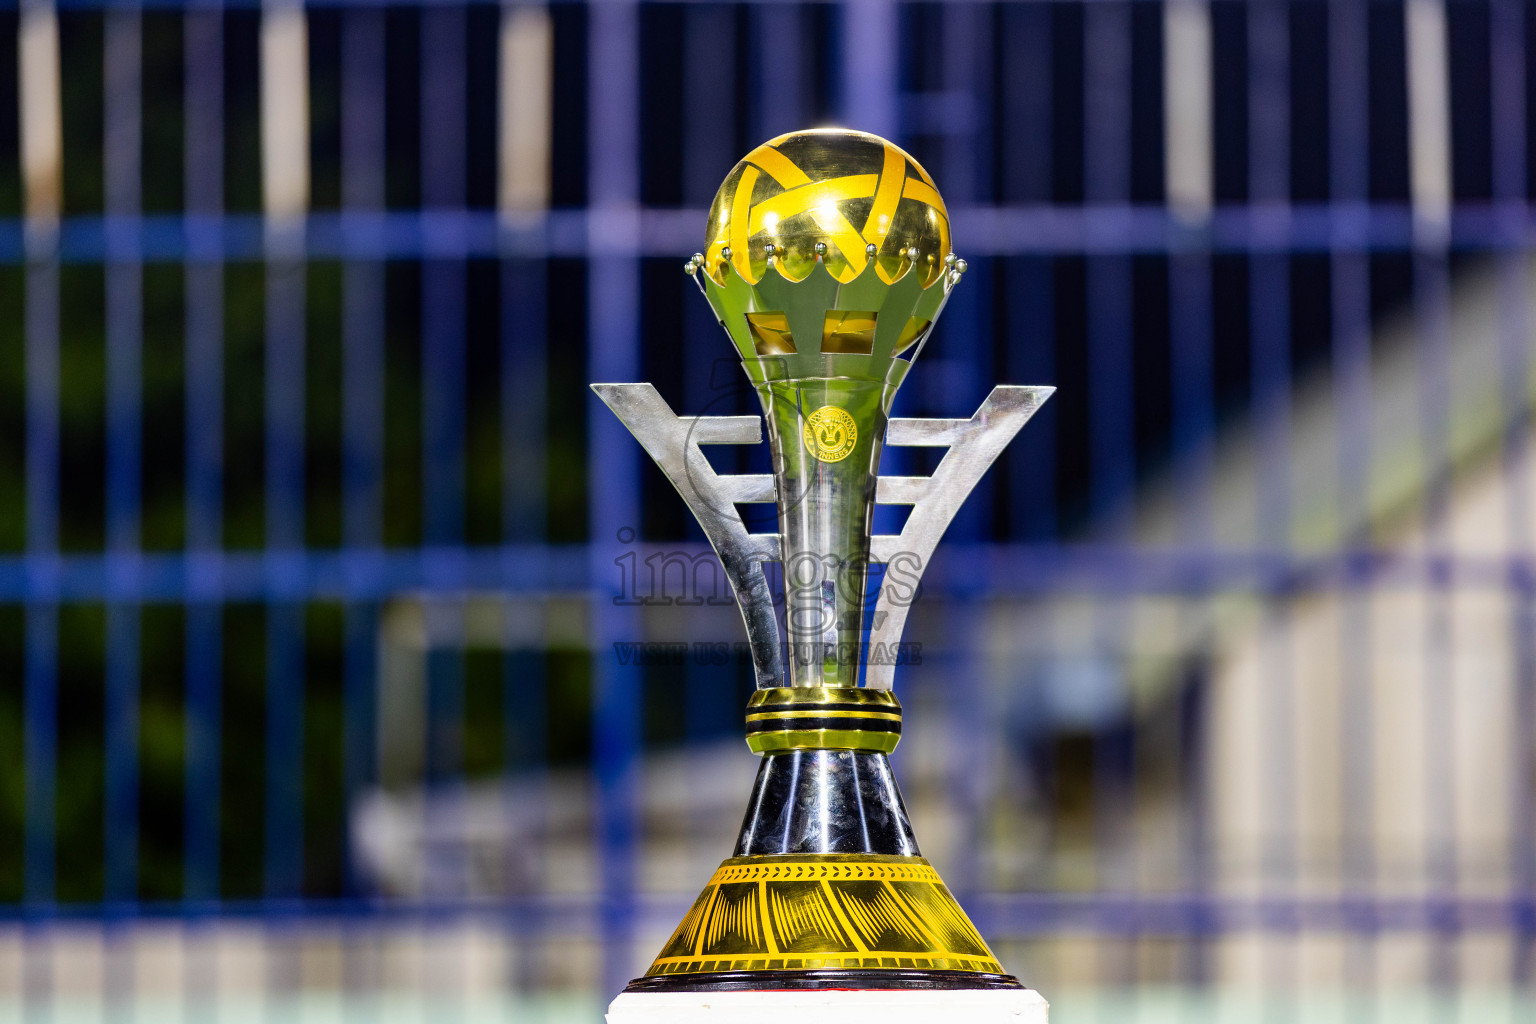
122, 99
709, 152
966, 346
709, 37
285, 187
443, 366
443, 435
362, 446
525, 450
1508, 108
1348, 156
1189, 171
362, 392
42, 168
1269, 327
204, 201
1106, 171
1429, 136
42, 152
780, 100
527, 90
1111, 398
1189, 168
1269, 190
285, 198
613, 478
443, 315
1027, 157
966, 179
709, 143
871, 66
1027, 140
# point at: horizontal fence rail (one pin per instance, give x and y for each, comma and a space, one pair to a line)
963, 572
987, 231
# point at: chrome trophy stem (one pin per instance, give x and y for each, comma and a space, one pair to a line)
826, 498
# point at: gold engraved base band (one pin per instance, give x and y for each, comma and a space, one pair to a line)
848, 912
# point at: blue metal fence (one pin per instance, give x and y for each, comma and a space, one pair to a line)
1181, 212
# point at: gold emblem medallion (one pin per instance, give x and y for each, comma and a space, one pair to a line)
830, 434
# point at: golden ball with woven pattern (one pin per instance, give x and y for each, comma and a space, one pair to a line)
857, 196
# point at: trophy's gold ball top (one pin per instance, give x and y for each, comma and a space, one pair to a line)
842, 197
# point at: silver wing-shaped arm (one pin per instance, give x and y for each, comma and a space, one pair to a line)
673, 442
973, 444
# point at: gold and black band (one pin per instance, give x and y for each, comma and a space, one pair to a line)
787, 718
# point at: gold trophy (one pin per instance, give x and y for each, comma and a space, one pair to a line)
828, 263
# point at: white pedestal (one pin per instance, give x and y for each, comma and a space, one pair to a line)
1015, 1006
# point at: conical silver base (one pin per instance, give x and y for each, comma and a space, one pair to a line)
826, 890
